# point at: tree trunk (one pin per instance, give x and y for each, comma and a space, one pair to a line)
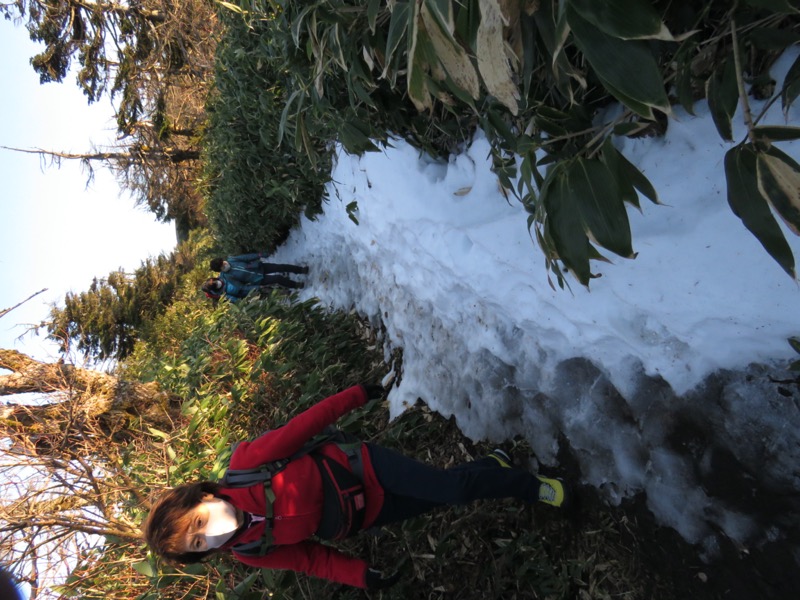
86, 399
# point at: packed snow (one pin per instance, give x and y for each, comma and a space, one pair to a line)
647, 374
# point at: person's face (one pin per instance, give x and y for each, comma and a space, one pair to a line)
210, 524
226, 266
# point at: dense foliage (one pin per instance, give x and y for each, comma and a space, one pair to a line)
106, 320
539, 77
257, 188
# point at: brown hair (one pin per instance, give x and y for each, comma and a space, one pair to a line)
165, 526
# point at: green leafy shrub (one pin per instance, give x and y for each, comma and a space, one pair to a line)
537, 76
256, 187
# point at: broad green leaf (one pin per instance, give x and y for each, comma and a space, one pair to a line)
611, 157
246, 584
723, 96
747, 203
779, 183
467, 20
601, 207
791, 85
373, 8
552, 37
440, 12
493, 64
398, 26
623, 19
794, 342
144, 568
297, 94
626, 67
498, 123
563, 223
641, 109
776, 133
418, 91
360, 93
298, 22
355, 137
637, 178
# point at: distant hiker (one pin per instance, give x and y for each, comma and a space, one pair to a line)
216, 287
305, 482
252, 269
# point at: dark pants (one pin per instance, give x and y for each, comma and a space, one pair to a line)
280, 280
413, 488
266, 268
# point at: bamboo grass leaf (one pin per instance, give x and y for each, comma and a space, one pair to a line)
723, 96
791, 86
452, 56
776, 133
747, 203
398, 27
493, 62
418, 90
597, 196
626, 67
779, 183
373, 8
563, 223
623, 19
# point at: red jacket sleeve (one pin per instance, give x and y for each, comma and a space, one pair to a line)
285, 441
314, 559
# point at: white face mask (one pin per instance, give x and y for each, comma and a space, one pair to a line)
222, 522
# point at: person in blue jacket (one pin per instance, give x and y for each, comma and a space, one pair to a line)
216, 287
253, 269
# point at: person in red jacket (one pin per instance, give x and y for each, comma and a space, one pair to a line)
330, 492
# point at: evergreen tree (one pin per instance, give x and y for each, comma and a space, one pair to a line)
106, 320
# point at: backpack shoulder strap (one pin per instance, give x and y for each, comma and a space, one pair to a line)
260, 547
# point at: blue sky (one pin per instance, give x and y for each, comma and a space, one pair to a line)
55, 232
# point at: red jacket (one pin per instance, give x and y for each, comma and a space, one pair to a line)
297, 508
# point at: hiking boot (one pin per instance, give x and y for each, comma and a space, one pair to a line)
304, 270
552, 491
502, 458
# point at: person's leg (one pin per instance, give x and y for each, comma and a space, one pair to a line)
413, 487
282, 281
266, 268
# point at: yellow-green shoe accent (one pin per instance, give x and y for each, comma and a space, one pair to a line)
551, 491
502, 458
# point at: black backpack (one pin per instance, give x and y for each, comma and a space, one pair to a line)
344, 500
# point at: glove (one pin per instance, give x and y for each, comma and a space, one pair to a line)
373, 391
376, 581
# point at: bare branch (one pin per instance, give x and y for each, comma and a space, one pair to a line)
5, 311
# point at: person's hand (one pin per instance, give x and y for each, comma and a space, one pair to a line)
375, 580
373, 391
